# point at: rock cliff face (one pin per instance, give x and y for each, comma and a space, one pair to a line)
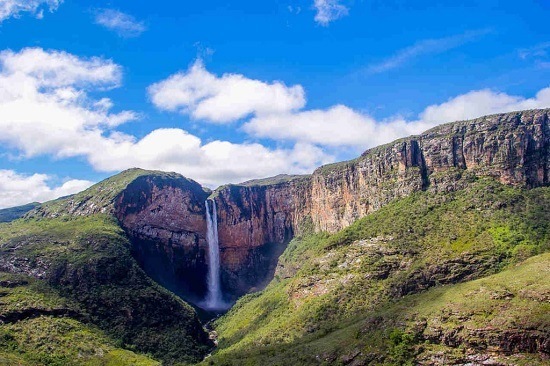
513, 148
164, 215
255, 222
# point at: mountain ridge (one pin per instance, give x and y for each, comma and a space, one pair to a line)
257, 219
141, 229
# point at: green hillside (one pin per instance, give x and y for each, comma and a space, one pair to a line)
432, 279
399, 287
86, 263
40, 327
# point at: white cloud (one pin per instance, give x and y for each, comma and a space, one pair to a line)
294, 9
17, 189
482, 102
123, 24
45, 109
44, 106
14, 8
424, 47
328, 11
213, 163
538, 51
202, 94
60, 69
340, 126
223, 99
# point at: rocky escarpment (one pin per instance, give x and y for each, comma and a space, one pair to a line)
513, 148
255, 222
164, 214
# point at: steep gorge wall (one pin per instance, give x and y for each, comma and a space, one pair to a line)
255, 223
513, 148
165, 217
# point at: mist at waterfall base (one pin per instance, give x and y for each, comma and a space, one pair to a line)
214, 300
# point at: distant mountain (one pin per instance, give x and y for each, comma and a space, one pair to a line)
14, 213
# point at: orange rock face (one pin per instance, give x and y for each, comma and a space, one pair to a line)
513, 148
165, 220
257, 220
255, 223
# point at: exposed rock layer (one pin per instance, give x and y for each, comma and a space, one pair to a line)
513, 148
164, 215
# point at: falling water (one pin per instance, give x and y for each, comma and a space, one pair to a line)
214, 296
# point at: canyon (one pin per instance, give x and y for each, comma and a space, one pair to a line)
165, 217
457, 203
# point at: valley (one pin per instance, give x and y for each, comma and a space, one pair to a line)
430, 250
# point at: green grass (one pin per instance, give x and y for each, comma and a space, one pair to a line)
395, 334
100, 197
36, 335
278, 179
86, 261
327, 284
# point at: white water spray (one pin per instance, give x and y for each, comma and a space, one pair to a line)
214, 296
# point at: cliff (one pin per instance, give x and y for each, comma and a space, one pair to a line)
164, 214
447, 206
164, 217
257, 219
255, 223
512, 148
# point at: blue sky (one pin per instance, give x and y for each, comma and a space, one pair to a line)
228, 91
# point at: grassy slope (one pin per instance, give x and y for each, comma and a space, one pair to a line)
37, 329
100, 195
87, 261
351, 296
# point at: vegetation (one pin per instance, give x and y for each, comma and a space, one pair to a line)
87, 262
278, 179
37, 329
102, 194
434, 278
374, 291
100, 197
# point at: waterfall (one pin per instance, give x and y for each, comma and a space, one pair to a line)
214, 295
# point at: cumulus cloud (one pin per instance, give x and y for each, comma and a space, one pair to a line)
482, 102
328, 11
342, 126
14, 8
278, 112
228, 98
44, 105
60, 69
46, 109
338, 126
213, 163
123, 24
18, 189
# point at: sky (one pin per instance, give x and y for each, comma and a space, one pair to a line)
227, 91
